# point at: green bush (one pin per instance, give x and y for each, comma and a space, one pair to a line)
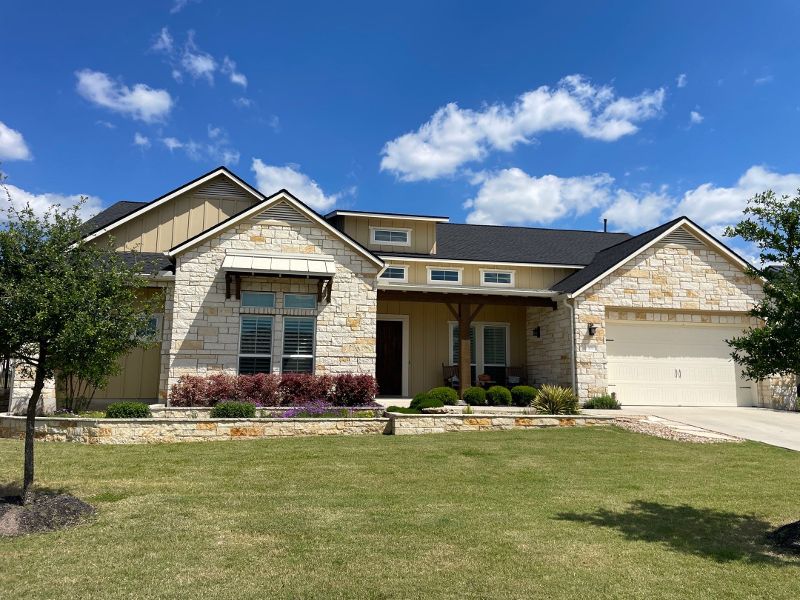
128, 410
423, 400
497, 395
523, 395
403, 410
475, 396
555, 400
233, 410
446, 395
607, 402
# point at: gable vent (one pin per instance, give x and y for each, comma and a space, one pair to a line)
283, 211
222, 187
682, 237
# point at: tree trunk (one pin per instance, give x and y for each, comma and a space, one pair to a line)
30, 425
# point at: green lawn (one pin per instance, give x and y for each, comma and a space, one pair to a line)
594, 513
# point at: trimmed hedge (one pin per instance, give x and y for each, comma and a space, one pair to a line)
233, 410
446, 395
128, 410
262, 389
497, 395
605, 402
523, 395
475, 396
403, 410
423, 400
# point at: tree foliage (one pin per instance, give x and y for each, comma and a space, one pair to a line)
772, 223
66, 306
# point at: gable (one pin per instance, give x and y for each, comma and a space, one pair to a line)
283, 212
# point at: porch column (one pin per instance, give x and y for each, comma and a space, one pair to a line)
465, 318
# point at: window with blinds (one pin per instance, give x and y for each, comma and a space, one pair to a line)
488, 345
298, 345
494, 346
454, 340
255, 345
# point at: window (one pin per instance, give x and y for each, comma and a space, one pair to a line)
497, 278
494, 345
391, 237
298, 345
489, 348
152, 331
299, 301
444, 275
398, 274
255, 345
456, 346
258, 299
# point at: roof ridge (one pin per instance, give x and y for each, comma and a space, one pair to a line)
523, 227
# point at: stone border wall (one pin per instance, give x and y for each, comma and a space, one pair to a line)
203, 412
146, 431
403, 424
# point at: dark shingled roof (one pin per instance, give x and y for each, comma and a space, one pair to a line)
153, 261
607, 258
493, 243
113, 213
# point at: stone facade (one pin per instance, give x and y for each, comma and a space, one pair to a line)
204, 335
21, 389
549, 356
421, 424
148, 431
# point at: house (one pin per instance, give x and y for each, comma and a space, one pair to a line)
253, 283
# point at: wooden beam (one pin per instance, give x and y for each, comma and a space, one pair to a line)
320, 287
238, 286
227, 286
454, 298
452, 310
464, 349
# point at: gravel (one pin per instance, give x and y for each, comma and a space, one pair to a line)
47, 511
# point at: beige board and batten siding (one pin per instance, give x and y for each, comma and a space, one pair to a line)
532, 278
175, 221
429, 337
423, 233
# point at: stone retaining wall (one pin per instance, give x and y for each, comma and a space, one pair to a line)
202, 412
418, 424
145, 431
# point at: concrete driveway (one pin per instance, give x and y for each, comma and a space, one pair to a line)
774, 427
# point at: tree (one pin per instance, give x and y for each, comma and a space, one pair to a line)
65, 305
773, 225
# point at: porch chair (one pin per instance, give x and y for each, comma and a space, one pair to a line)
450, 376
516, 376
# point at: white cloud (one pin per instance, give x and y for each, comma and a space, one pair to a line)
271, 178
196, 62
142, 141
140, 102
229, 68
242, 102
632, 213
682, 80
763, 80
179, 5
695, 118
217, 148
454, 136
40, 203
12, 144
512, 197
105, 124
164, 42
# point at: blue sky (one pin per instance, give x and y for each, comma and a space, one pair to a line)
489, 112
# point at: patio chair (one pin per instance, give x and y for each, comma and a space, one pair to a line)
516, 376
450, 376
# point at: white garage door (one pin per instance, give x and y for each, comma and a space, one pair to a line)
675, 364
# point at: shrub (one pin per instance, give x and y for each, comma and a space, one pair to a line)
497, 395
446, 395
233, 410
128, 410
606, 401
555, 400
221, 387
403, 410
523, 395
468, 410
354, 390
297, 389
423, 400
191, 390
475, 396
260, 389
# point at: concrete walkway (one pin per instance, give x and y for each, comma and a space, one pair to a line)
774, 427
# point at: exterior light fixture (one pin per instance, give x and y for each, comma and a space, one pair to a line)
537, 332
592, 328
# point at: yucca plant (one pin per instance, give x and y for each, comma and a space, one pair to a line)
556, 400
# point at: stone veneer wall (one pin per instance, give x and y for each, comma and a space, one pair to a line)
665, 282
204, 337
420, 424
22, 388
549, 358
147, 431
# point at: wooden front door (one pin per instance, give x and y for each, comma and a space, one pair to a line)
389, 367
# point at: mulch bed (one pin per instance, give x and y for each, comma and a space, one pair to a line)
787, 537
47, 511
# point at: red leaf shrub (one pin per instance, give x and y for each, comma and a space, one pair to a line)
354, 390
301, 388
290, 389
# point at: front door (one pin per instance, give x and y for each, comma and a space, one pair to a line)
389, 367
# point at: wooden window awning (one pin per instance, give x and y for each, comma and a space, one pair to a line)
238, 264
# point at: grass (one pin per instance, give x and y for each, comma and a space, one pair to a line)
566, 513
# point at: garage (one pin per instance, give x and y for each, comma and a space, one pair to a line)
675, 364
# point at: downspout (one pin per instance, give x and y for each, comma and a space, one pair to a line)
573, 366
